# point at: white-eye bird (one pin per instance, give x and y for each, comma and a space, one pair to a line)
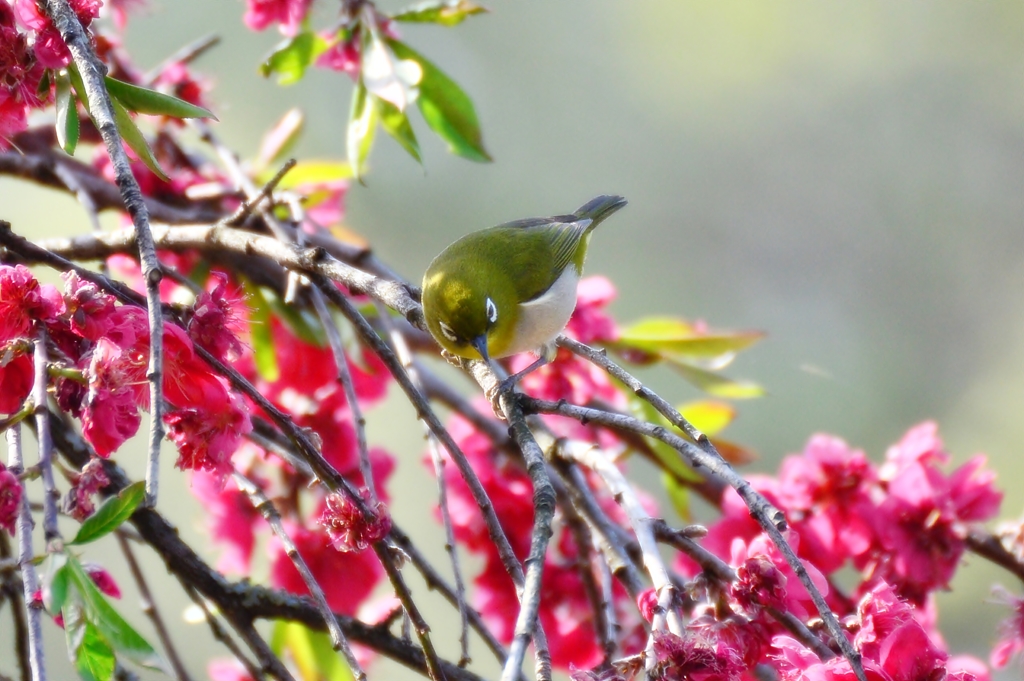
511, 288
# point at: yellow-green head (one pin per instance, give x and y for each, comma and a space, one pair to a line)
510, 288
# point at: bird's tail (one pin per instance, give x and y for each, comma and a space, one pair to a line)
599, 208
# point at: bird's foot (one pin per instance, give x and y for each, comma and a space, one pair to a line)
495, 393
453, 359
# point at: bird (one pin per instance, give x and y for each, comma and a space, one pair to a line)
511, 288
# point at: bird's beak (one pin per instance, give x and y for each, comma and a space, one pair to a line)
480, 343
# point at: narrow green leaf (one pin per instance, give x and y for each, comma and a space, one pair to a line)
76, 82
67, 114
679, 337
134, 138
362, 123
310, 652
91, 655
145, 101
54, 582
716, 384
312, 172
396, 124
290, 59
671, 461
444, 12
111, 513
260, 336
445, 107
109, 623
708, 416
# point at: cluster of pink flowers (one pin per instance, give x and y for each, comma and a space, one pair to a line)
102, 349
29, 45
902, 525
328, 530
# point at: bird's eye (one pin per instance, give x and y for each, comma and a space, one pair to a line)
448, 333
492, 311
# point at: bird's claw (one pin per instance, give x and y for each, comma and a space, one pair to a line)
494, 394
453, 359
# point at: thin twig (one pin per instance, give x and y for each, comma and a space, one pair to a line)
266, 507
437, 459
39, 396
29, 581
666, 614
219, 634
185, 55
101, 111
766, 515
148, 606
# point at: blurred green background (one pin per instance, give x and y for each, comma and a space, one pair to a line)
848, 177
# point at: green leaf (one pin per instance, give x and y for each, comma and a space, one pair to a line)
312, 172
134, 138
54, 582
396, 124
260, 336
386, 75
92, 656
111, 513
362, 123
670, 335
716, 384
708, 416
311, 652
446, 108
145, 101
290, 59
444, 12
67, 114
108, 622
671, 461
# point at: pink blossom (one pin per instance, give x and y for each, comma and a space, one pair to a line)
348, 527
10, 499
121, 9
647, 604
1011, 634
347, 578
23, 301
230, 517
208, 435
215, 321
227, 670
694, 658
50, 49
102, 579
16, 379
589, 322
78, 502
12, 119
90, 312
260, 14
343, 55
110, 413
759, 584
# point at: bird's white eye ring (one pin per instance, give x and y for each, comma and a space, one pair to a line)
448, 333
492, 311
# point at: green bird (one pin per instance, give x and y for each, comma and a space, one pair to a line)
511, 288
